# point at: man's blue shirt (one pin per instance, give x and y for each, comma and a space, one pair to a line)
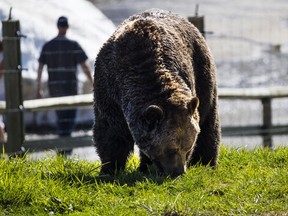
61, 55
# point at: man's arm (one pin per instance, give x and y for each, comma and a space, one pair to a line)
87, 71
39, 72
1, 69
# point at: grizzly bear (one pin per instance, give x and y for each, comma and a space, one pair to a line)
155, 86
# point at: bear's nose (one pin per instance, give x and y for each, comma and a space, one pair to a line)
179, 170
177, 173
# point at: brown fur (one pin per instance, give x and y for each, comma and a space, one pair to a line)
149, 78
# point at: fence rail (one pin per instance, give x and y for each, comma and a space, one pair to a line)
253, 93
44, 104
267, 130
53, 103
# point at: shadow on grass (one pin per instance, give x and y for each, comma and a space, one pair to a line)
129, 178
132, 177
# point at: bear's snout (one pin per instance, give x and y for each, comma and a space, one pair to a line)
174, 166
177, 171
174, 171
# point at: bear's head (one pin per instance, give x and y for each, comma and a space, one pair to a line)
168, 135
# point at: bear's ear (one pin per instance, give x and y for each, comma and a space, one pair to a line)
193, 105
152, 115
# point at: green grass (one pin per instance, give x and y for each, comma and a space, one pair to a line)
245, 183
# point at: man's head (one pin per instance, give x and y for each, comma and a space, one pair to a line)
62, 22
62, 25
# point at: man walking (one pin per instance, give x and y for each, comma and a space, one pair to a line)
62, 55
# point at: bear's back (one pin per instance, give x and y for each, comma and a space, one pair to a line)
154, 54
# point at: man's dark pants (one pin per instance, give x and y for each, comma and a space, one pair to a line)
65, 118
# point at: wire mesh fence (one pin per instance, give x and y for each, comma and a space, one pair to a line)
250, 51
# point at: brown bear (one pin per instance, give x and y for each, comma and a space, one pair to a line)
155, 86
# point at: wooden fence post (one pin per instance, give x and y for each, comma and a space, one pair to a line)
198, 21
13, 86
267, 121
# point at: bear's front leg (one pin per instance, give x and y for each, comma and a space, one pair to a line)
144, 162
113, 147
208, 142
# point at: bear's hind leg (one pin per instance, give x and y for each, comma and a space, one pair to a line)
113, 148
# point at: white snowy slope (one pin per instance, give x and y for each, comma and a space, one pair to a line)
88, 25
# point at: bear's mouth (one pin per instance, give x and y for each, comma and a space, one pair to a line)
160, 169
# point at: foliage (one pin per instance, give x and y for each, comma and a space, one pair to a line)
245, 183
